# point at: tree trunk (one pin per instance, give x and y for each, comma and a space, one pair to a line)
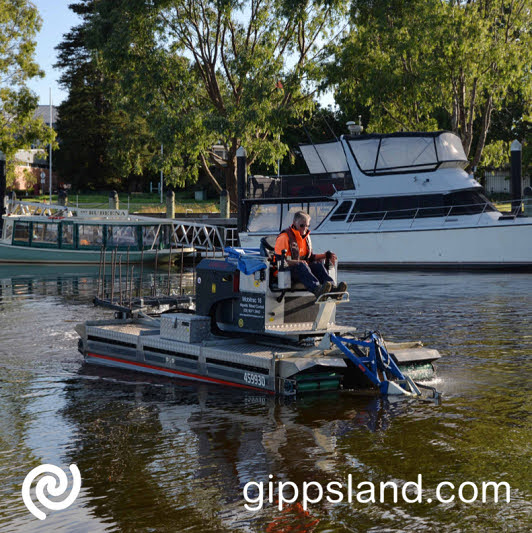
231, 180
483, 132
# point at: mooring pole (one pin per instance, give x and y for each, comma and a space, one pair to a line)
516, 183
170, 204
225, 204
241, 187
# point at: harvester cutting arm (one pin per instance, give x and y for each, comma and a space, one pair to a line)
379, 367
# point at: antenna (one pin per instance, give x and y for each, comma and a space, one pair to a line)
330, 129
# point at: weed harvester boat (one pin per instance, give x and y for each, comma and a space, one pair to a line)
253, 328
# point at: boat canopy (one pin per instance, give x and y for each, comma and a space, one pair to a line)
406, 152
324, 158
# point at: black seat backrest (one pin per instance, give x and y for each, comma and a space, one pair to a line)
267, 246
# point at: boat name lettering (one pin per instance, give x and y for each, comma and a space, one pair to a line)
255, 379
103, 212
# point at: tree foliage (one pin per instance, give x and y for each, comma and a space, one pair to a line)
19, 24
102, 145
216, 72
429, 64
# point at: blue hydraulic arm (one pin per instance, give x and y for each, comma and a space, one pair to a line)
378, 360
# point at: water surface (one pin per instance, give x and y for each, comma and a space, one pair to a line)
163, 455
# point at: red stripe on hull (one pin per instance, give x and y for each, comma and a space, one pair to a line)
176, 372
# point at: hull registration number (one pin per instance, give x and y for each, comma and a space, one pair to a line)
255, 379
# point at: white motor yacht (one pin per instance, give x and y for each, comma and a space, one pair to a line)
391, 200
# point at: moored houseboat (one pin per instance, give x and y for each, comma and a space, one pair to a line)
53, 234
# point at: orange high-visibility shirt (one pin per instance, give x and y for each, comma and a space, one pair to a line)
283, 243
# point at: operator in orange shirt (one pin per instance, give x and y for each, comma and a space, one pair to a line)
306, 266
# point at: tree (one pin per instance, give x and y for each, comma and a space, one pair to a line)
101, 145
211, 72
428, 64
19, 24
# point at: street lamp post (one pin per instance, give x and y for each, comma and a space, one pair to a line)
50, 157
161, 187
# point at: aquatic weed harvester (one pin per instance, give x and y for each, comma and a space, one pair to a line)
253, 328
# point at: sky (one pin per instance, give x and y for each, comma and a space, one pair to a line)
57, 20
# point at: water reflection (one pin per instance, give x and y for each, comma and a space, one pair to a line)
175, 447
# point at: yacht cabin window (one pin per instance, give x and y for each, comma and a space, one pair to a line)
421, 206
341, 211
272, 218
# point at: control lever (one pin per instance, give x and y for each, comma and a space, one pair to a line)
328, 255
283, 260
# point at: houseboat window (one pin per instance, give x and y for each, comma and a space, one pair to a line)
150, 236
45, 233
264, 218
22, 232
67, 234
341, 211
121, 236
89, 235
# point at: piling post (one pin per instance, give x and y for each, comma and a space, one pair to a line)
114, 202
120, 276
103, 275
225, 205
113, 274
181, 292
241, 186
141, 272
169, 269
131, 287
516, 183
170, 204
99, 283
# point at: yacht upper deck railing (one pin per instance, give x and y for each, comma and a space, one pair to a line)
524, 207
307, 185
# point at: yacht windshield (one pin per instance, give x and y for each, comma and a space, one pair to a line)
273, 217
407, 152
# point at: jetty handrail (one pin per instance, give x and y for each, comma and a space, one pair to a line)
208, 237
46, 210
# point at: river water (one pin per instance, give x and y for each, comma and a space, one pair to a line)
175, 456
